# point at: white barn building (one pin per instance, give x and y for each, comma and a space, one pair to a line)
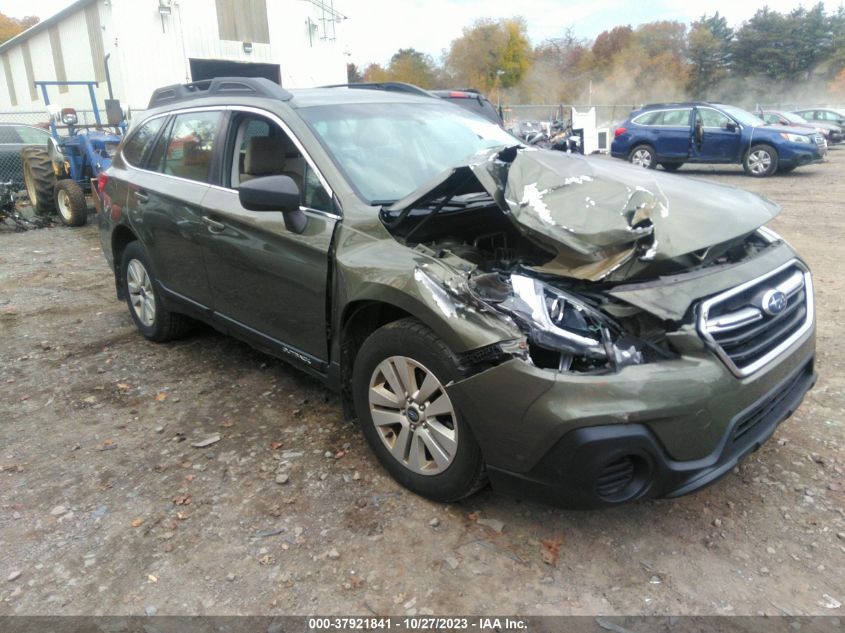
140, 45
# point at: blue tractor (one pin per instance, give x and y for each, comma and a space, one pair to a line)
58, 176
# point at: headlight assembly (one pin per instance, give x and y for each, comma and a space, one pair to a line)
556, 321
796, 138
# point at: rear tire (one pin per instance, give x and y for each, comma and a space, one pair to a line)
671, 166
143, 297
70, 203
643, 156
761, 161
420, 438
39, 179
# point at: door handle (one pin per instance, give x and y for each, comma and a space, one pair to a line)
142, 196
213, 225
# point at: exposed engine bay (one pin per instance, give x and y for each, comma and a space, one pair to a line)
571, 324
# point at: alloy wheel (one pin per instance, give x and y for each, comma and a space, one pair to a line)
641, 157
413, 415
141, 292
759, 161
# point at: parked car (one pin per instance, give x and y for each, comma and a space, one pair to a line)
571, 328
831, 132
13, 138
466, 98
827, 115
473, 101
671, 134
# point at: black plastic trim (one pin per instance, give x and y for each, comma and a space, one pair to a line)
569, 472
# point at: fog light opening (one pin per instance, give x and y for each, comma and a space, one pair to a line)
623, 478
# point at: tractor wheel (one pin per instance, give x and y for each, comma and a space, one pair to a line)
39, 179
70, 201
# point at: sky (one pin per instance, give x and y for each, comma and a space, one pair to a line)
375, 29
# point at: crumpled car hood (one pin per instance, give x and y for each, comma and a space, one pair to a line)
596, 215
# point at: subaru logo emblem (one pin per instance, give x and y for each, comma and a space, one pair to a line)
773, 302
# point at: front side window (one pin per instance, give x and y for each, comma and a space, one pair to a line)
743, 117
715, 119
262, 148
138, 144
190, 146
388, 150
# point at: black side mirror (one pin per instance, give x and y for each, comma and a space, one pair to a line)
274, 193
730, 126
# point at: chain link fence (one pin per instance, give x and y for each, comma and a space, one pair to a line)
789, 107
606, 114
16, 133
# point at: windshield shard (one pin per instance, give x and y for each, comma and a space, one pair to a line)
387, 151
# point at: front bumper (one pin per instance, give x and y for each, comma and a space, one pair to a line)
657, 430
802, 155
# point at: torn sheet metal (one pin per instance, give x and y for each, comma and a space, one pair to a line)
596, 216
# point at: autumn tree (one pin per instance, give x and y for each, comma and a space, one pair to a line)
560, 71
375, 73
353, 74
413, 67
709, 50
9, 26
607, 47
490, 54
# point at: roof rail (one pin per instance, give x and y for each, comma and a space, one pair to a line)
390, 86
219, 86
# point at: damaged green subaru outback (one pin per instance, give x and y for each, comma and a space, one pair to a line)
567, 328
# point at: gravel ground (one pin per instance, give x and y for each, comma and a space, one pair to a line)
107, 508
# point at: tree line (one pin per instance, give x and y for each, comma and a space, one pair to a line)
772, 57
9, 26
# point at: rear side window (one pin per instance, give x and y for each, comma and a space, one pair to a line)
675, 118
9, 135
136, 147
33, 135
648, 118
664, 117
190, 146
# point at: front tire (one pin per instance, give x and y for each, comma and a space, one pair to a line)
643, 156
761, 161
408, 418
143, 297
39, 179
70, 203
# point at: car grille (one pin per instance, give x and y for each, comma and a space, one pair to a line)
751, 324
821, 143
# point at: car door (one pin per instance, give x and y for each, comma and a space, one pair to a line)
672, 133
13, 139
269, 282
165, 204
720, 137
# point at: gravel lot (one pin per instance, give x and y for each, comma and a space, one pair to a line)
107, 508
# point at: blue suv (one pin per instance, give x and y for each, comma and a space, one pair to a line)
671, 134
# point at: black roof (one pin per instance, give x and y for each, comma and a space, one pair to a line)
390, 86
219, 87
